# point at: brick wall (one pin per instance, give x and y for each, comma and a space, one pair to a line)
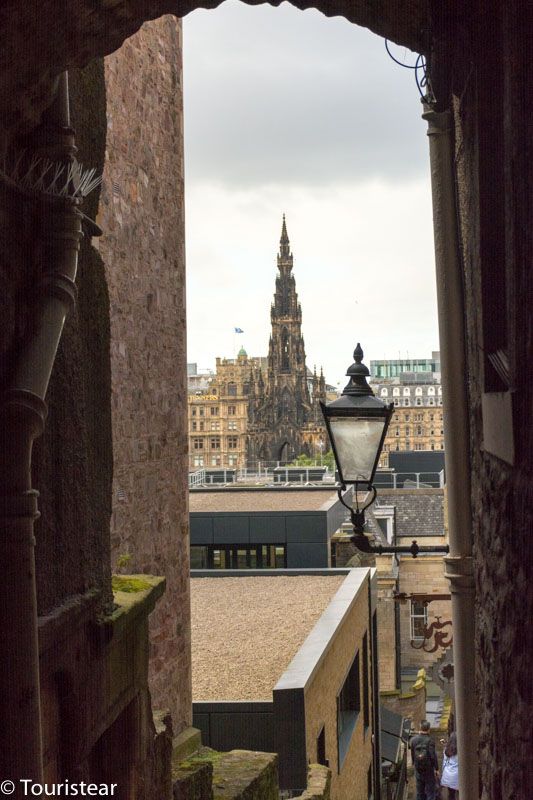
141, 212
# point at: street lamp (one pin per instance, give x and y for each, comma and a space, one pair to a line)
357, 424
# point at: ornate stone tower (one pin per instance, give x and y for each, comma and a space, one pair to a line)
283, 420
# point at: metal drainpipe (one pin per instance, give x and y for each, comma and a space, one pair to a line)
459, 563
22, 417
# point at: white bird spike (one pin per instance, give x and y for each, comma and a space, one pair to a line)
52, 178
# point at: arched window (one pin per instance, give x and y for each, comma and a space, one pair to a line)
406, 392
384, 392
246, 388
232, 389
418, 390
396, 392
431, 390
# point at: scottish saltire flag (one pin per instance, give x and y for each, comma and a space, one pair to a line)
238, 330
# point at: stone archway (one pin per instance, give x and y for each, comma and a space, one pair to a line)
41, 38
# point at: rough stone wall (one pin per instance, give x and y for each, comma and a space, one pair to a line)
142, 215
491, 81
72, 461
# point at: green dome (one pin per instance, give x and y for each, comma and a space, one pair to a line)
242, 352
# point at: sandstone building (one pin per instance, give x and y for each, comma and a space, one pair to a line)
414, 386
218, 416
284, 415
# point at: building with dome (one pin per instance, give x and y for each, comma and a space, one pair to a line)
218, 416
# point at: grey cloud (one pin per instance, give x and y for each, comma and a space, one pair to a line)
279, 95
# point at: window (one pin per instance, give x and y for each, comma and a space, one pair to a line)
396, 401
233, 442
214, 411
418, 390
201, 425
397, 432
232, 461
201, 412
321, 748
215, 461
396, 392
198, 443
407, 444
440, 390
419, 619
232, 425
432, 417
407, 430
215, 426
198, 557
384, 392
418, 401
246, 388
431, 401
198, 461
193, 411
348, 707
407, 402
232, 410
232, 389
215, 442
407, 417
193, 425
366, 694
406, 392
431, 390
419, 430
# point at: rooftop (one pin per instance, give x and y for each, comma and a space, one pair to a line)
260, 500
246, 630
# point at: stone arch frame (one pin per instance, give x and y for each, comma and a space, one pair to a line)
40, 39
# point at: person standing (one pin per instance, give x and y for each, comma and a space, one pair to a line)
450, 768
425, 763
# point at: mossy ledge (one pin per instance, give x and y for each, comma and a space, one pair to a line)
130, 583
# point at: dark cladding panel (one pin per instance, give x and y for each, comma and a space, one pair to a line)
268, 529
232, 529
312, 554
306, 528
201, 529
289, 713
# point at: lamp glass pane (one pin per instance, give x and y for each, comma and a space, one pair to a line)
356, 442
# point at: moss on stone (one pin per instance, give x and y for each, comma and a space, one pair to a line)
129, 584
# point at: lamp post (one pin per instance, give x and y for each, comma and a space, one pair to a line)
357, 424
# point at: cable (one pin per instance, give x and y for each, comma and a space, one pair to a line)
422, 83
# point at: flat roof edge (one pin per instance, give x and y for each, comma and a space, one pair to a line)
310, 655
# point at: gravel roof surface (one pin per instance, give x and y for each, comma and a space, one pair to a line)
246, 631
252, 501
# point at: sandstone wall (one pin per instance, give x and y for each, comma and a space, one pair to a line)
423, 575
142, 215
321, 705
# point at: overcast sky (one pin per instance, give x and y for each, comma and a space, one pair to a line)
287, 111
